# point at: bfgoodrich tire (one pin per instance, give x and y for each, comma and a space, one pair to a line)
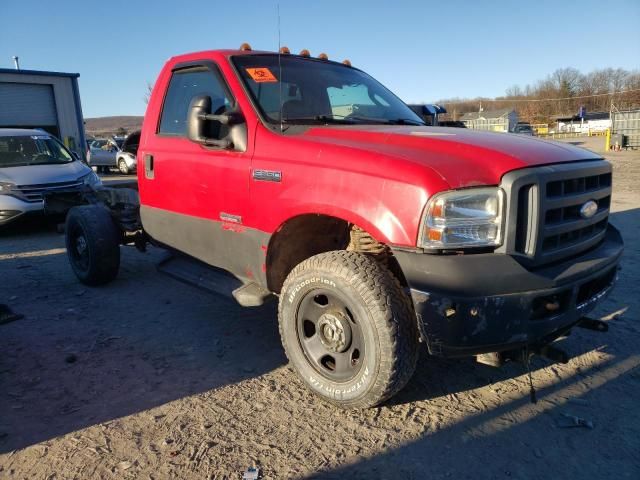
348, 329
93, 244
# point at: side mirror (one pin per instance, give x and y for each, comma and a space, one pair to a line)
200, 113
196, 126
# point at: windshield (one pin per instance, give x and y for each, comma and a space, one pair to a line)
23, 150
317, 91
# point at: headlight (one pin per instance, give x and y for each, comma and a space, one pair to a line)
92, 180
463, 218
6, 187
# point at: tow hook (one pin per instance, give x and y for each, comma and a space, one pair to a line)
555, 354
593, 324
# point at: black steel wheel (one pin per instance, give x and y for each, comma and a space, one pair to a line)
329, 335
93, 244
348, 328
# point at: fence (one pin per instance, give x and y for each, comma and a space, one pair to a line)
628, 124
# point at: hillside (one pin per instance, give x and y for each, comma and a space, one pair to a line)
110, 125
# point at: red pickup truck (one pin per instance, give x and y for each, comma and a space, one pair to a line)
283, 175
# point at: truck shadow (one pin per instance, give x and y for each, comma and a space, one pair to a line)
83, 356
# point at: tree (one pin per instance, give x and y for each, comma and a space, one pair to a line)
147, 95
562, 93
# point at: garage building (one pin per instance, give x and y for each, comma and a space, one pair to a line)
46, 100
503, 120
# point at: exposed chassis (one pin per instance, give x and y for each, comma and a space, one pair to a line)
121, 201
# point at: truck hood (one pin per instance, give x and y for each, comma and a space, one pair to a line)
462, 157
39, 174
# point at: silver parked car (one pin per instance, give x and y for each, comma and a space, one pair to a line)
102, 154
126, 157
33, 163
119, 152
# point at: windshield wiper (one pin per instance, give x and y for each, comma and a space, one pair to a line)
386, 121
320, 119
407, 121
349, 120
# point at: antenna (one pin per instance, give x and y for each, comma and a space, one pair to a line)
280, 71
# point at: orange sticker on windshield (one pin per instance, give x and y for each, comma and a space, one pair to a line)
261, 75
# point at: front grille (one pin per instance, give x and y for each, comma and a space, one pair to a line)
35, 193
545, 223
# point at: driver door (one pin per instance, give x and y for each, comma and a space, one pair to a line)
193, 191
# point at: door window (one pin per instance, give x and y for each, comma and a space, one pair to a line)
184, 85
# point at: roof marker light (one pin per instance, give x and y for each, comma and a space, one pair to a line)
305, 53
323, 56
285, 50
346, 62
245, 47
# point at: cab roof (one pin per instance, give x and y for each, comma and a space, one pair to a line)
226, 53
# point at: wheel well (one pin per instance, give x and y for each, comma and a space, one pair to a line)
308, 235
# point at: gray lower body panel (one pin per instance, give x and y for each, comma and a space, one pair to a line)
231, 247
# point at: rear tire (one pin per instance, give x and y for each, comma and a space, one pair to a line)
93, 244
348, 329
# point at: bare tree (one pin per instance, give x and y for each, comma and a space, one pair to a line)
147, 94
561, 93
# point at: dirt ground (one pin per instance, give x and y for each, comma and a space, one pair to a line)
149, 378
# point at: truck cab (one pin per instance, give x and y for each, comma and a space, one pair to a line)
307, 180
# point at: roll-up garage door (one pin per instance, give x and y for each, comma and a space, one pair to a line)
27, 105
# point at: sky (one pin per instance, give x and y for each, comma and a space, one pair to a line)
422, 50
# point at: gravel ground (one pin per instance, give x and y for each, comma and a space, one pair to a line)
148, 378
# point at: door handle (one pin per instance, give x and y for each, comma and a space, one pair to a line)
148, 166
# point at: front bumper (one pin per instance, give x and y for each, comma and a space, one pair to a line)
473, 304
12, 208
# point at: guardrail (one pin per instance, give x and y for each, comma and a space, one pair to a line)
555, 135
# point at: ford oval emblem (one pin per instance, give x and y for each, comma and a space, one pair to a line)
589, 209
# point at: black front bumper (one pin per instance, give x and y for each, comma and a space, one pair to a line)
473, 304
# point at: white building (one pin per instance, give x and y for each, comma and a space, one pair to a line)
590, 123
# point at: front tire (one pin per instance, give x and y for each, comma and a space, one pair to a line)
93, 244
348, 329
122, 166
